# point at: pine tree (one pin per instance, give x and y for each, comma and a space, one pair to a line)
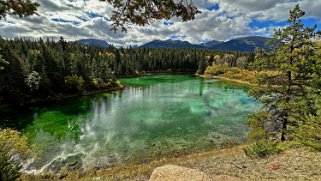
287, 94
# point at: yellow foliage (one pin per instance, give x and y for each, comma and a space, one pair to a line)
106, 54
12, 142
35, 52
238, 73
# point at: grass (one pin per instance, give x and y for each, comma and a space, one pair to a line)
235, 74
295, 163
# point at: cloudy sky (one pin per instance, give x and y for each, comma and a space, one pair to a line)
219, 20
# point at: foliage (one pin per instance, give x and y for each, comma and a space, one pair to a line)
33, 80
144, 12
42, 69
216, 69
261, 148
286, 96
17, 7
13, 149
74, 82
2, 61
309, 132
236, 73
230, 59
242, 62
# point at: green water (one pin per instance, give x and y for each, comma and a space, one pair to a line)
153, 117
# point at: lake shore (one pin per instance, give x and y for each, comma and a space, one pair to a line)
293, 164
238, 81
61, 97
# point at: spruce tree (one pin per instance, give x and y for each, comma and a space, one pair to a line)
286, 95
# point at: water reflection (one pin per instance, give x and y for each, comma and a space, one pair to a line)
155, 116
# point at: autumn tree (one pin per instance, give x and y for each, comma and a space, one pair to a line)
287, 95
11, 155
241, 62
230, 59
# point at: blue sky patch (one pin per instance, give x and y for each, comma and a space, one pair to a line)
178, 36
60, 20
92, 15
205, 40
215, 6
168, 23
265, 24
309, 22
82, 19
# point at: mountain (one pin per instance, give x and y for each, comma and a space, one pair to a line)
246, 44
170, 44
93, 42
211, 44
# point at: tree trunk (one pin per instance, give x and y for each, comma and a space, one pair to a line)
283, 131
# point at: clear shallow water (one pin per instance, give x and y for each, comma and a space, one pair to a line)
153, 117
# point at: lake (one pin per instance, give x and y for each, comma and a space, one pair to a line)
153, 117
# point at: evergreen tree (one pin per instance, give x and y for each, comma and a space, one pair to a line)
17, 7
286, 95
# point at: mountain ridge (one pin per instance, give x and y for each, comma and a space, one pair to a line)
93, 42
243, 44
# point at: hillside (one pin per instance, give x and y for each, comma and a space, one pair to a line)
93, 42
170, 44
245, 44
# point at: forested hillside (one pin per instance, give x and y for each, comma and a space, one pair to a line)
45, 69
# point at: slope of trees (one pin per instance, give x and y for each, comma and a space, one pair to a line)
43, 69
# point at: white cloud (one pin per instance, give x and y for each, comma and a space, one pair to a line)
233, 18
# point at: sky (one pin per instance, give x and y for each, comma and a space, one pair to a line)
220, 20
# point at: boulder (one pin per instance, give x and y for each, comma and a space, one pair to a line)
177, 173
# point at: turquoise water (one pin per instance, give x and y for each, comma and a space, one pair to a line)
153, 117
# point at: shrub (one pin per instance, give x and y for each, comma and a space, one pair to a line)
74, 83
216, 69
13, 149
261, 148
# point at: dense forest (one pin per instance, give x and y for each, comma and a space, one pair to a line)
34, 70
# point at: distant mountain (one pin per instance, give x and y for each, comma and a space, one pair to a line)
211, 44
246, 44
93, 42
170, 44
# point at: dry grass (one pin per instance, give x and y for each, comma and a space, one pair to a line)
238, 75
294, 164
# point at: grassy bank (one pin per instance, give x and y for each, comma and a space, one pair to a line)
293, 164
237, 75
